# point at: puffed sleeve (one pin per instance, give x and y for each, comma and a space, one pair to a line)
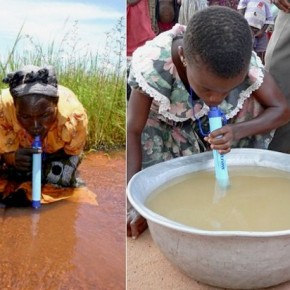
8, 124
73, 131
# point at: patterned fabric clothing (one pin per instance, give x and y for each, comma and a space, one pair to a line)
59, 181
68, 132
175, 123
62, 148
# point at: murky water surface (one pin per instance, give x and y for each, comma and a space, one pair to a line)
69, 244
258, 199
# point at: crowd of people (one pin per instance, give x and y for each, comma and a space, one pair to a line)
214, 53
146, 18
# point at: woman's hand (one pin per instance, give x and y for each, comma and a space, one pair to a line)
221, 139
23, 158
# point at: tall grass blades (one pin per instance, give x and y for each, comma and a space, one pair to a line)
97, 78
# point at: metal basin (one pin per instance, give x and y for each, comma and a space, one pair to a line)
227, 259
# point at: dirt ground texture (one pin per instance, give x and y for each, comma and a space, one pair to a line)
147, 268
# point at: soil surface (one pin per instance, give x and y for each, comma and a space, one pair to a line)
147, 268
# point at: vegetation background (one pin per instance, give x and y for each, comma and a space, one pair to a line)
97, 78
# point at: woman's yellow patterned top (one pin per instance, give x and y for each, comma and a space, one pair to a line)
68, 131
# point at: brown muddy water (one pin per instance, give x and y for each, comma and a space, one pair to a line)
257, 199
70, 244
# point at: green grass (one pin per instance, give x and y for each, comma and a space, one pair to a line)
99, 80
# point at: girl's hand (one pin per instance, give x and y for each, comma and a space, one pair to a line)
136, 224
221, 139
23, 158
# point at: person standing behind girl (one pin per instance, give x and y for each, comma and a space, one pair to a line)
277, 62
167, 12
188, 8
259, 17
139, 29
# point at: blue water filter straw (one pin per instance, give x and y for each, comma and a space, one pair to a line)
36, 174
220, 164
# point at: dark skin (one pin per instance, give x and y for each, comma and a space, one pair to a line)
283, 5
166, 11
212, 90
36, 114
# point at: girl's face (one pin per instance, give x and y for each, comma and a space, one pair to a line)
209, 87
36, 114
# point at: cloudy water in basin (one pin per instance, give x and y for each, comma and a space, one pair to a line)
258, 199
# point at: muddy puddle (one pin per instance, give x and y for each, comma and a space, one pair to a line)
70, 244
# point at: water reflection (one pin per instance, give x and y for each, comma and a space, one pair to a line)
71, 244
37, 249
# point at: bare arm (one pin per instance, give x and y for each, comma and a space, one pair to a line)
137, 115
276, 113
283, 5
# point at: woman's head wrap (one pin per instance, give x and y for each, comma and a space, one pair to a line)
32, 80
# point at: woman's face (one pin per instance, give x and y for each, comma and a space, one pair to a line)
209, 87
36, 114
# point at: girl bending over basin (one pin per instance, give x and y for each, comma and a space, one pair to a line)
178, 75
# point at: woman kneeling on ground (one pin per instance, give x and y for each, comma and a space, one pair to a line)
35, 105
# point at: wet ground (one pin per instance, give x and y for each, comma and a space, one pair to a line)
71, 244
